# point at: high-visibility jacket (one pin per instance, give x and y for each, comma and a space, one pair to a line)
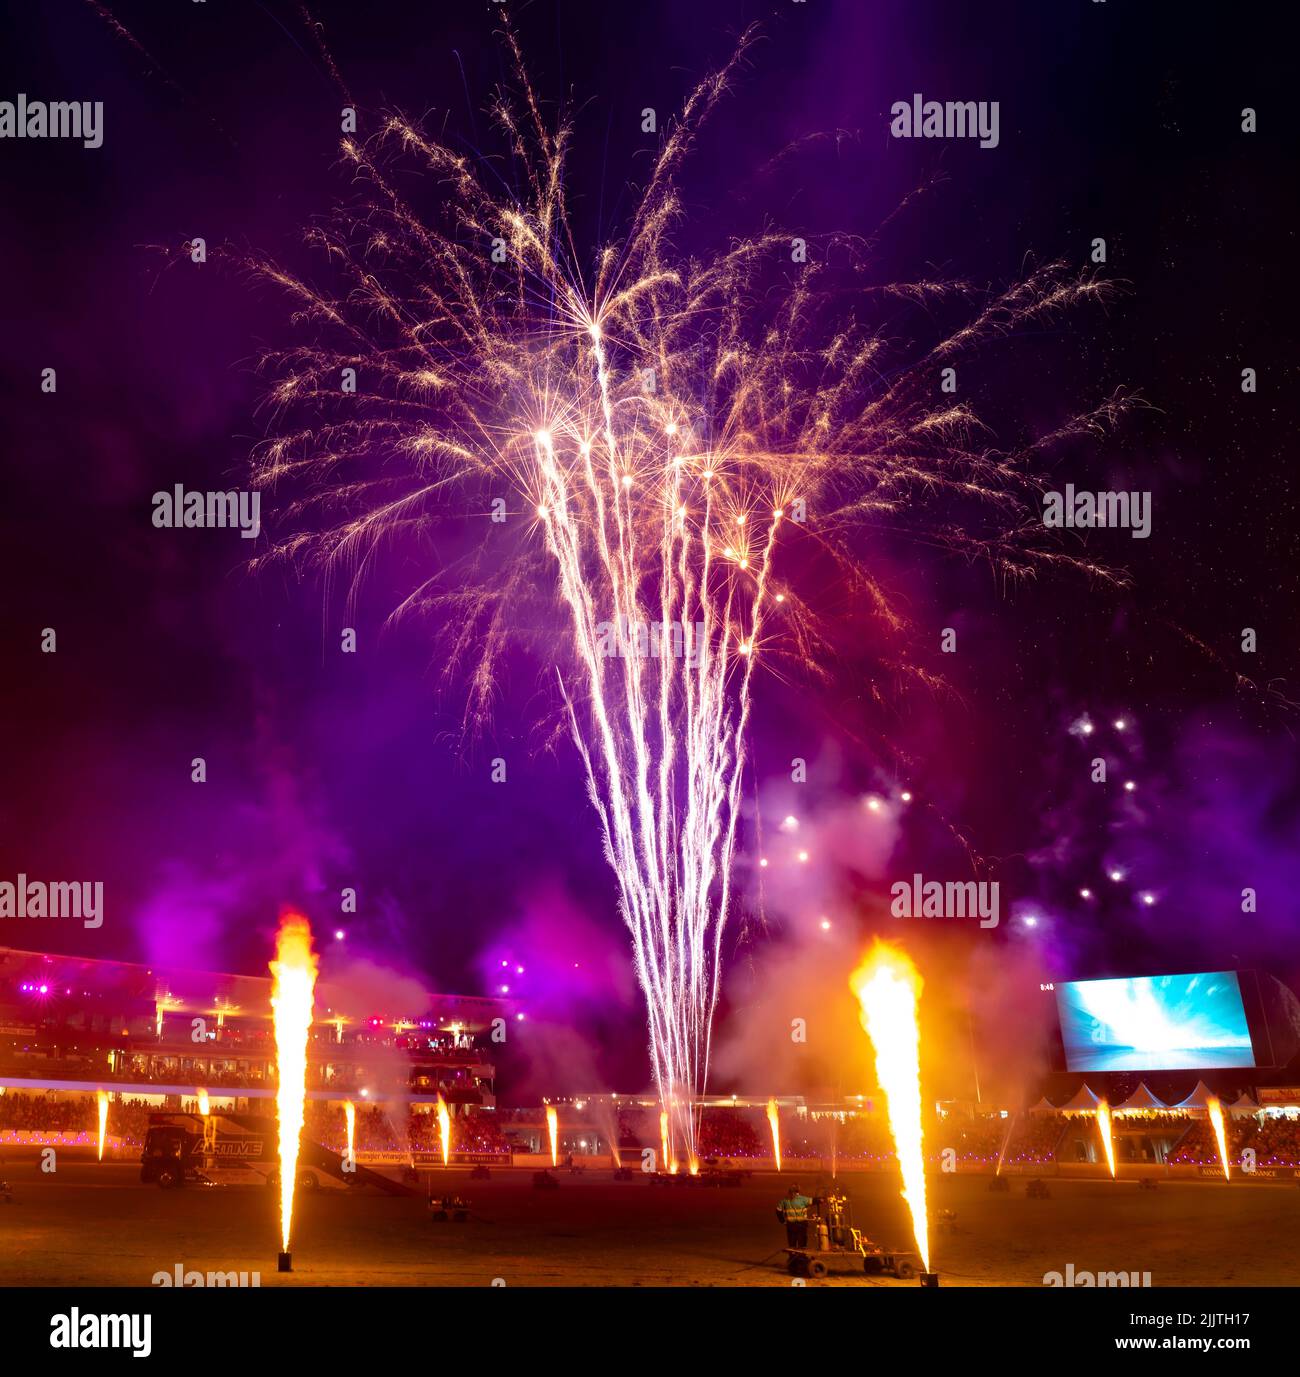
794, 1208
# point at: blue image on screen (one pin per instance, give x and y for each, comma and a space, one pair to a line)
1154, 1023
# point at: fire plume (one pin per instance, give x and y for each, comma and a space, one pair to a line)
292, 998
775, 1123
444, 1132
102, 1097
1107, 1131
350, 1117
888, 989
663, 1139
553, 1132
1215, 1109
205, 1107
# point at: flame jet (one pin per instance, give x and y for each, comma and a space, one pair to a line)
444, 1131
654, 434
292, 1000
1106, 1128
1215, 1109
888, 989
101, 1097
665, 1162
553, 1133
775, 1124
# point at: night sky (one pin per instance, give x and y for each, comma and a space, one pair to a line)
328, 770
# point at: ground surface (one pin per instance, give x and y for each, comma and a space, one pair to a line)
94, 1224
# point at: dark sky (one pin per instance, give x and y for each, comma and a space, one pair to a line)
327, 770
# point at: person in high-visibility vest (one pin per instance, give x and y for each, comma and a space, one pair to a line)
792, 1211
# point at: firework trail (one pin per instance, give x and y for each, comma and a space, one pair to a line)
668, 436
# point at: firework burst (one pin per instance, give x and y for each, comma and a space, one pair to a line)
647, 447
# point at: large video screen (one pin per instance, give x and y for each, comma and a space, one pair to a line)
1154, 1023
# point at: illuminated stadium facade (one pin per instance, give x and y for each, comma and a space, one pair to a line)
74, 1025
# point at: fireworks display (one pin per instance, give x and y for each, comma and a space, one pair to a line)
646, 448
292, 1001
602, 542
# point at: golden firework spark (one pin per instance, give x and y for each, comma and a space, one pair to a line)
101, 1097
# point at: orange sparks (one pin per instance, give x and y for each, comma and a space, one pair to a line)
888, 989
776, 1132
1107, 1131
102, 1097
1215, 1109
292, 999
350, 1117
553, 1132
444, 1132
663, 1140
